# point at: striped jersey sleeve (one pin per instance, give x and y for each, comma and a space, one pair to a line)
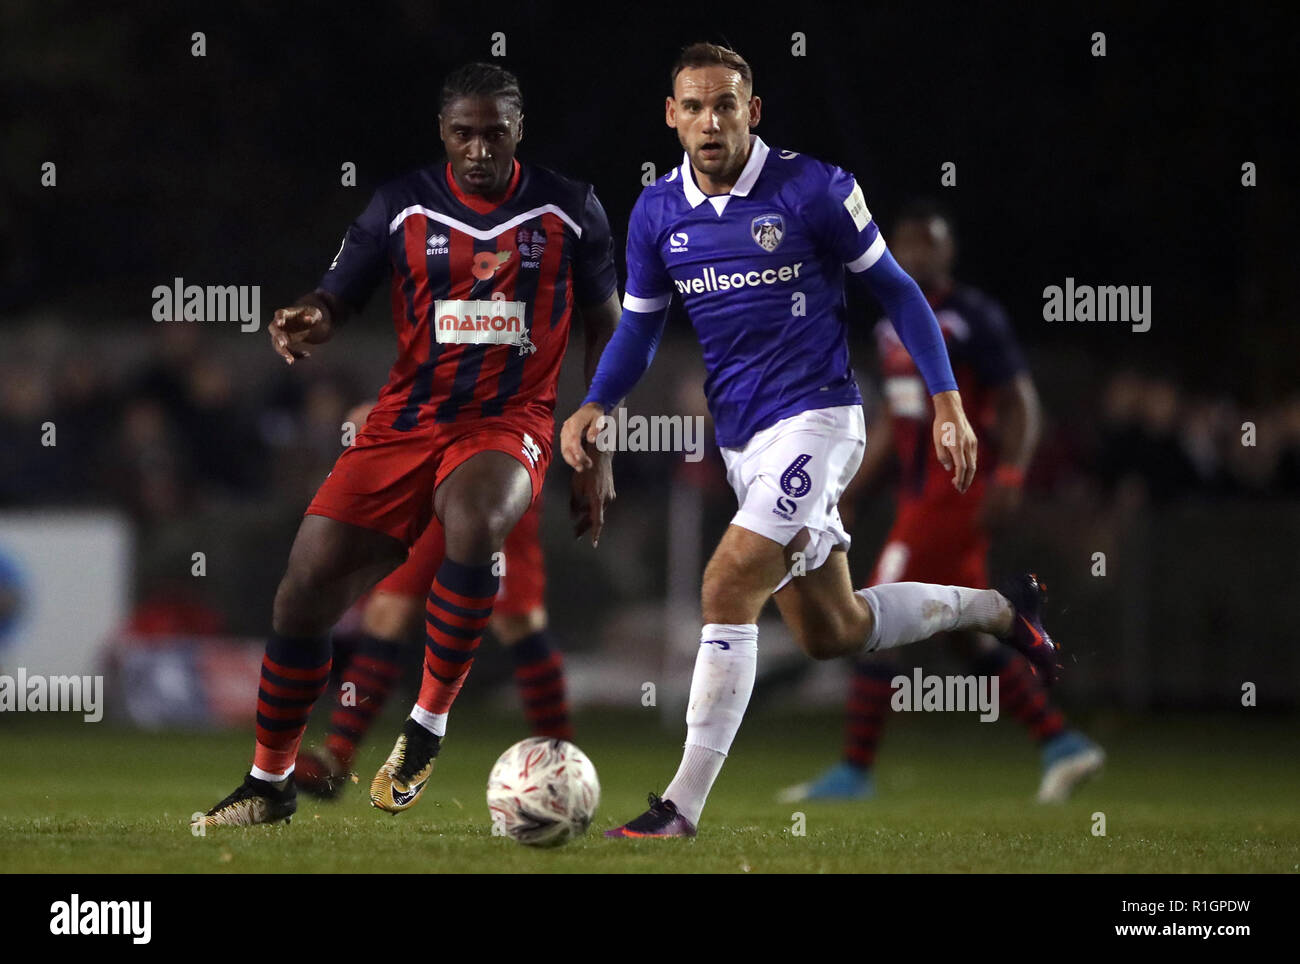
361, 263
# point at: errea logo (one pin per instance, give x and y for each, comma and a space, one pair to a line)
531, 450
677, 242
437, 244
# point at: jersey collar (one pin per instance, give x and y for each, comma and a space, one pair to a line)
695, 197
477, 202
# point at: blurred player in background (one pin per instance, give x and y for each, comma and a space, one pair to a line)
391, 616
487, 259
943, 536
756, 242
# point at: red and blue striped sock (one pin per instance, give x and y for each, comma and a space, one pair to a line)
868, 706
295, 672
456, 614
539, 674
371, 672
1021, 693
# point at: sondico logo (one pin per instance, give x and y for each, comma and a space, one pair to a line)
491, 322
710, 280
677, 242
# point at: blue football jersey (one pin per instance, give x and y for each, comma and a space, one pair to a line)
760, 272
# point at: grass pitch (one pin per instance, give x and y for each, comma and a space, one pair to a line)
1179, 794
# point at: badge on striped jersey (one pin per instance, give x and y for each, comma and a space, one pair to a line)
531, 243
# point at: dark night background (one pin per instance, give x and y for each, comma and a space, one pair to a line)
1123, 169
225, 169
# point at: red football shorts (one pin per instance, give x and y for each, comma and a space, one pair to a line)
386, 479
928, 545
523, 578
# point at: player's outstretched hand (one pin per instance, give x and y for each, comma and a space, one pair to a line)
954, 439
580, 428
291, 328
590, 493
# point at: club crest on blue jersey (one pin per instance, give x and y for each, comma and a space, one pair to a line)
767, 231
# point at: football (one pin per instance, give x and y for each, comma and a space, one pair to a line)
542, 792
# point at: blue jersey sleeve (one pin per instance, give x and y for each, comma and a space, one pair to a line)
851, 234
649, 288
913, 319
627, 356
844, 222
362, 258
645, 309
594, 275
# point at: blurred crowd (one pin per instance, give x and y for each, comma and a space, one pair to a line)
212, 442
1154, 439
164, 435
184, 428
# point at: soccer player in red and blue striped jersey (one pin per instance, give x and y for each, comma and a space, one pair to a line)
394, 612
940, 535
487, 259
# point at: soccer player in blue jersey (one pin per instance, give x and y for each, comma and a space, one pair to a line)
756, 241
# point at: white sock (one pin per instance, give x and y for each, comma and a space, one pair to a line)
720, 691
907, 612
435, 723
269, 777
695, 777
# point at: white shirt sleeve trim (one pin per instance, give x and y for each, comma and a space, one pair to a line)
868, 257
632, 303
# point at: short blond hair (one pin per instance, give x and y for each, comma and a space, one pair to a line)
712, 55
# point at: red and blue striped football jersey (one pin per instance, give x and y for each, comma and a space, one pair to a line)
984, 354
482, 290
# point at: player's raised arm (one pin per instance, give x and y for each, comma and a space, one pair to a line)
310, 321
632, 347
356, 270
855, 237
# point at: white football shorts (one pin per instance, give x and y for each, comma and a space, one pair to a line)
790, 477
